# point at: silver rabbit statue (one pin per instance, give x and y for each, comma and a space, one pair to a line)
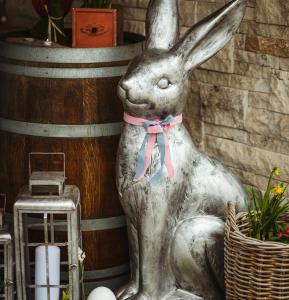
175, 218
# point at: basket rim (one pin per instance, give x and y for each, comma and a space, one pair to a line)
237, 234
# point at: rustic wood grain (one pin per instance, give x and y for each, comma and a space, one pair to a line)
60, 101
90, 162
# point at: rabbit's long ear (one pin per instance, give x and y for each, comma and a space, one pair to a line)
207, 37
162, 29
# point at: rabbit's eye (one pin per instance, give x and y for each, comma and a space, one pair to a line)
163, 83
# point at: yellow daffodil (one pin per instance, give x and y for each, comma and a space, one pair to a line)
276, 171
278, 190
66, 294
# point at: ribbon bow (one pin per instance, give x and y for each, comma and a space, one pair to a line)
156, 131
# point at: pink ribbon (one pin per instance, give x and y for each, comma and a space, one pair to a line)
156, 132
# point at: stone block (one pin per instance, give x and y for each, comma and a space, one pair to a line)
187, 12
132, 3
268, 61
251, 179
266, 45
267, 123
273, 12
250, 27
134, 14
232, 80
251, 3
245, 56
280, 75
134, 26
257, 59
284, 64
224, 106
193, 106
195, 86
247, 158
195, 128
239, 41
252, 70
250, 13
275, 101
211, 77
228, 133
205, 8
269, 143
250, 84
223, 61
280, 90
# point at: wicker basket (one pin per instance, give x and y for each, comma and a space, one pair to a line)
253, 269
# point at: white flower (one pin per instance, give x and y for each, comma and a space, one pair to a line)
81, 255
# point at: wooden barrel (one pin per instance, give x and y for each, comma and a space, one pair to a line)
57, 99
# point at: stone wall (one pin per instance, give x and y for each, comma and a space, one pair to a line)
239, 106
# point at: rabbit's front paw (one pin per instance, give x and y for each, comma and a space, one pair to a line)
127, 291
140, 296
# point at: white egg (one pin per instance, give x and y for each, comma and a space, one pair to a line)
101, 293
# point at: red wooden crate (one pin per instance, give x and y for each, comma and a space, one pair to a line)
93, 27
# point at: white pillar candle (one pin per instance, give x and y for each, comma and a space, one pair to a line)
40, 271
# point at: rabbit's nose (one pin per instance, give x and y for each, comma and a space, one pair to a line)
121, 92
124, 85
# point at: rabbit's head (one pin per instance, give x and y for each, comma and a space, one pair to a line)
156, 83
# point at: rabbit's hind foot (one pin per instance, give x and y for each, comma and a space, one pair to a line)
182, 295
139, 297
127, 291
197, 257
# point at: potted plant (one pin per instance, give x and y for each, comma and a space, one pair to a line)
257, 245
96, 24
50, 27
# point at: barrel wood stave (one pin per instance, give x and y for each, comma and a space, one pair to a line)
88, 103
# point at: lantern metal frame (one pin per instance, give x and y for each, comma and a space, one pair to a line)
46, 178
47, 206
6, 242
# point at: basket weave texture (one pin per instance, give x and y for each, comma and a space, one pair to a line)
254, 269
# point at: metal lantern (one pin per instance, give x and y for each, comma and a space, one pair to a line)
6, 264
47, 217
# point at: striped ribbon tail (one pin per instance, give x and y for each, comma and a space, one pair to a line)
144, 156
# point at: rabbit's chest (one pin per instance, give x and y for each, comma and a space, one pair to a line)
132, 153
129, 151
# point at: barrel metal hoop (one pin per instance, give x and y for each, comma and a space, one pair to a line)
59, 130
103, 224
62, 73
108, 276
69, 55
108, 272
86, 224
